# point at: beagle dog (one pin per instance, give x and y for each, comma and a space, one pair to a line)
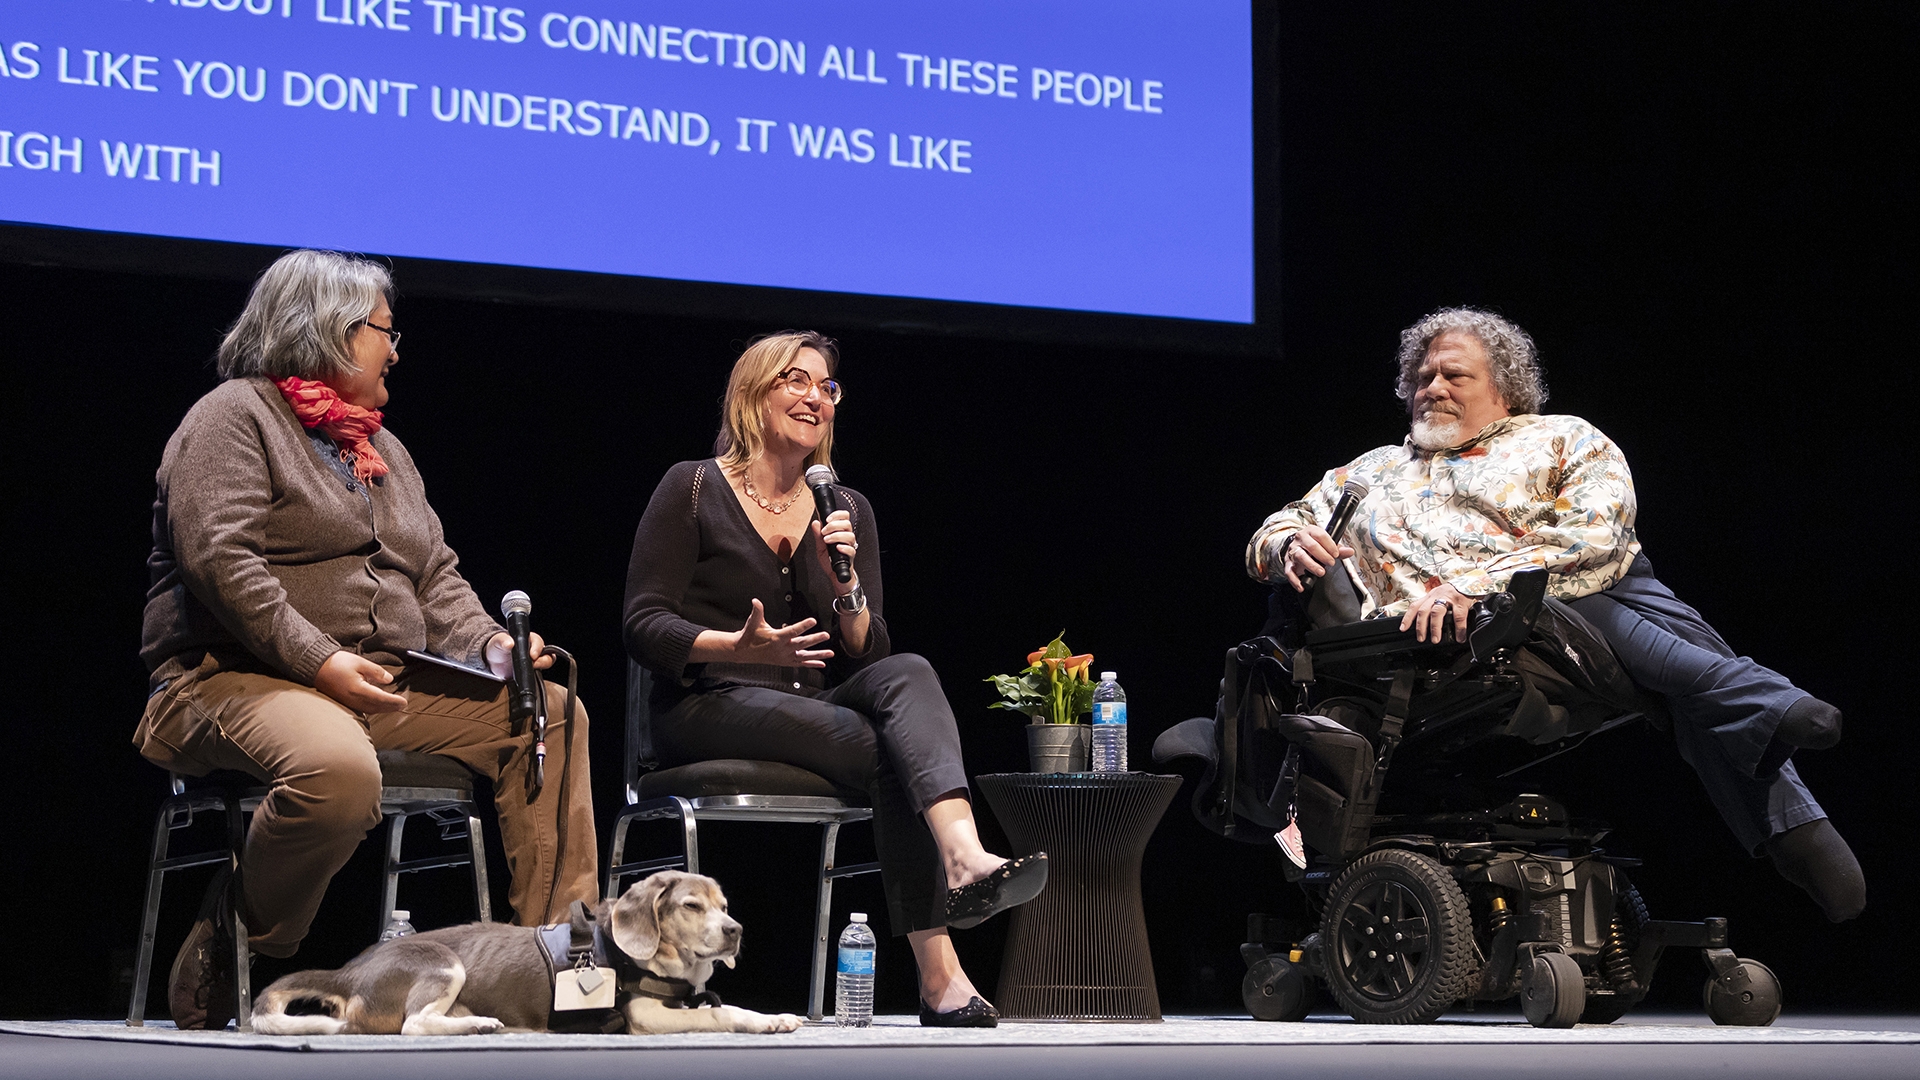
658, 943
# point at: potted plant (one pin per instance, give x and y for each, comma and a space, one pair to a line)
1056, 691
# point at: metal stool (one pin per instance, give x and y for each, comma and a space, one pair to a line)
412, 784
730, 790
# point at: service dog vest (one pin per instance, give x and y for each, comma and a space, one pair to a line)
590, 977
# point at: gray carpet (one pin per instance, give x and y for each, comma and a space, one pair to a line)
1195, 1031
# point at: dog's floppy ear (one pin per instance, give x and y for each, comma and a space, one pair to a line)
636, 920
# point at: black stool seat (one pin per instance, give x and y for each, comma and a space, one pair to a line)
409, 768
398, 769
739, 776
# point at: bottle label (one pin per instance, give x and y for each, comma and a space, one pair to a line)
856, 961
1109, 712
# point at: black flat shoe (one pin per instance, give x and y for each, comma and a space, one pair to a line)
975, 1013
1016, 882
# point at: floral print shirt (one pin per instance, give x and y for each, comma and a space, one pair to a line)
1526, 491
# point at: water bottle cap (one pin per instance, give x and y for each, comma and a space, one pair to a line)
1109, 676
858, 916
401, 915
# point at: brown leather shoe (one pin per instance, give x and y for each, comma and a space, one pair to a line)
200, 988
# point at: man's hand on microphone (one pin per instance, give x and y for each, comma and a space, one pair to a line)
499, 653
1310, 555
837, 533
355, 681
1429, 615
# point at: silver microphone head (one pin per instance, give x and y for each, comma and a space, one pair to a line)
516, 603
819, 474
1355, 488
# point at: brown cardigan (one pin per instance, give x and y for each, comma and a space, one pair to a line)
260, 545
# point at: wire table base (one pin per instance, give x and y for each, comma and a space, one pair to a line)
1079, 951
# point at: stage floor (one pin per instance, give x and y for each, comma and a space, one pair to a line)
1831, 1047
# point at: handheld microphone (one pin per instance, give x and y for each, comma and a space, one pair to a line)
820, 478
1350, 496
516, 606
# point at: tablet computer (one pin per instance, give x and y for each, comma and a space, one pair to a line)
455, 665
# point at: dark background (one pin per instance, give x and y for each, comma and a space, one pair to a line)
1703, 212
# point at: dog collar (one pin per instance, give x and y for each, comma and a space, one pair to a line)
642, 982
646, 982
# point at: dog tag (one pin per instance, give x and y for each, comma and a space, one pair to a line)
584, 988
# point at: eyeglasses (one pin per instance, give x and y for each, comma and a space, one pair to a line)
799, 383
393, 336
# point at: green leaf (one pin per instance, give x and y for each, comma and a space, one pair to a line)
1082, 698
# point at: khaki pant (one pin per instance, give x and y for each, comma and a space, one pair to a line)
324, 795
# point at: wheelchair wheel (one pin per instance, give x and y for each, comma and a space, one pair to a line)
1277, 989
1552, 992
1747, 996
1399, 939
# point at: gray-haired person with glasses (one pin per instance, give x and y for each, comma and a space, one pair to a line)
761, 651
296, 562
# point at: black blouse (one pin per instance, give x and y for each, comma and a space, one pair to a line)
698, 563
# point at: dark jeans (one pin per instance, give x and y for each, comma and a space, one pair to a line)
887, 730
1725, 707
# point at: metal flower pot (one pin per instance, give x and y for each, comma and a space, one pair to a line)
1058, 748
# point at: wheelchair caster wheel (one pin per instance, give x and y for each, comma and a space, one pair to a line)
1275, 989
1746, 995
1553, 992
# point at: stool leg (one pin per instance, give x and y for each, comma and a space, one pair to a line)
822, 913
689, 833
150, 916
390, 885
477, 851
242, 967
616, 853
242, 949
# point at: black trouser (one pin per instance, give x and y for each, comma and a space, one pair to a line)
887, 730
1725, 706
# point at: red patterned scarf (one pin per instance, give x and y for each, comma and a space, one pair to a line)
351, 427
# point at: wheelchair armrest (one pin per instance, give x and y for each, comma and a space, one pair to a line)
1505, 619
1497, 622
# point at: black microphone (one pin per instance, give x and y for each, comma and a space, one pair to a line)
516, 606
820, 478
1350, 496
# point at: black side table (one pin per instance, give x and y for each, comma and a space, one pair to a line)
1078, 951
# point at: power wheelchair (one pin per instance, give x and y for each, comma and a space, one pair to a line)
1434, 879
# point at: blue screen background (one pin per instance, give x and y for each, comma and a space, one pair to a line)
1073, 206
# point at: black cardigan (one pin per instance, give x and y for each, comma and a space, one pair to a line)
698, 563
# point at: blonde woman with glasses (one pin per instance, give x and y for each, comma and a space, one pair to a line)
760, 651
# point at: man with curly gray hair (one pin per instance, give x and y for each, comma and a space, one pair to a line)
1485, 486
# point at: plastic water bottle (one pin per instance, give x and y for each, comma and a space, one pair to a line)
853, 986
1109, 725
399, 927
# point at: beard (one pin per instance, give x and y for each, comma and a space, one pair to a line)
1436, 430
